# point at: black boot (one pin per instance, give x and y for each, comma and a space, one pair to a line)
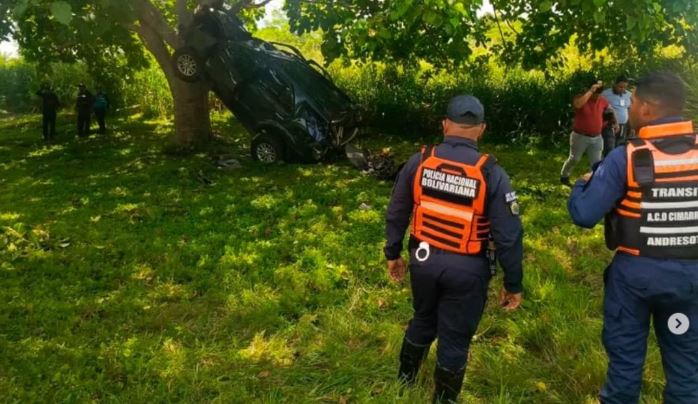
447, 385
411, 357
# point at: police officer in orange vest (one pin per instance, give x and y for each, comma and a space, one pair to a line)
457, 199
648, 192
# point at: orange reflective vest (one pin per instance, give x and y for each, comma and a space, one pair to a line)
449, 203
658, 216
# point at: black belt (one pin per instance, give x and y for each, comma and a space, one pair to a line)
414, 244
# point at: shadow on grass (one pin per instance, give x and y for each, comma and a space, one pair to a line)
135, 276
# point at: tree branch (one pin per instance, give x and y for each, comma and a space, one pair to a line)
151, 16
154, 43
505, 43
248, 4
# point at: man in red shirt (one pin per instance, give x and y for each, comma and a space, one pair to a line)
589, 109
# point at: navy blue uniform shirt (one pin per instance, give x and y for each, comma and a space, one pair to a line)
505, 224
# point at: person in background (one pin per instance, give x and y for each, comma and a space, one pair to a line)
49, 110
83, 106
620, 99
589, 108
100, 106
608, 133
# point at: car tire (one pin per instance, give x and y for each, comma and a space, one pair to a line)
187, 64
267, 148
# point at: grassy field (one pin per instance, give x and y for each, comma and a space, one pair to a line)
131, 275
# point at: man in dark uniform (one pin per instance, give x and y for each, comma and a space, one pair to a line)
457, 199
83, 105
49, 109
648, 191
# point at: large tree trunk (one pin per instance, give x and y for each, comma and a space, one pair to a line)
191, 110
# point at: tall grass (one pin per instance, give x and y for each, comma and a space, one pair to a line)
147, 92
20, 80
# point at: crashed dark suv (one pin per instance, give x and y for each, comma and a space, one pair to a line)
289, 104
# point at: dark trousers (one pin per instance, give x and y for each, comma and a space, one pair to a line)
83, 123
100, 114
49, 125
622, 136
636, 290
611, 140
449, 293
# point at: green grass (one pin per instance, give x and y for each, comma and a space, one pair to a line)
126, 278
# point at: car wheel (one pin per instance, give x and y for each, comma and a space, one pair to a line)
187, 64
267, 149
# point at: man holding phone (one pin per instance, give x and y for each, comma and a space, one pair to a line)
589, 108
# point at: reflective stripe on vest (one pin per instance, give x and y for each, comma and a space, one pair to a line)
449, 204
658, 217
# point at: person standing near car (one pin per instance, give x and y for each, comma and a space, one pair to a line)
456, 198
589, 108
83, 107
100, 106
49, 111
647, 190
620, 99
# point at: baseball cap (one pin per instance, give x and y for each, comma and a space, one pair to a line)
465, 109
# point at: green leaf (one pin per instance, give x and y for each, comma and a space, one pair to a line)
630, 23
599, 17
545, 6
21, 8
62, 12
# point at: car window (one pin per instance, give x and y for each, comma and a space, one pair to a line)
281, 92
265, 97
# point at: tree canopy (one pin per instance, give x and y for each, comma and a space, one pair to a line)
443, 31
440, 31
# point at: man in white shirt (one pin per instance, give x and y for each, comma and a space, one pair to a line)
619, 98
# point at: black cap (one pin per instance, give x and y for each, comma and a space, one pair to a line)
465, 109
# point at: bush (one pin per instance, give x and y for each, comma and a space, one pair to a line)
147, 92
410, 101
20, 80
16, 81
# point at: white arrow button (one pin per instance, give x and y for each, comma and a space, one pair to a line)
678, 323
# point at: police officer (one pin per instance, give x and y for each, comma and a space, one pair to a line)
83, 105
456, 198
49, 109
648, 191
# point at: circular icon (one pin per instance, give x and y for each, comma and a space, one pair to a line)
678, 323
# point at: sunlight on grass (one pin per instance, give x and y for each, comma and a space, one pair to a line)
274, 350
126, 277
9, 216
45, 151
